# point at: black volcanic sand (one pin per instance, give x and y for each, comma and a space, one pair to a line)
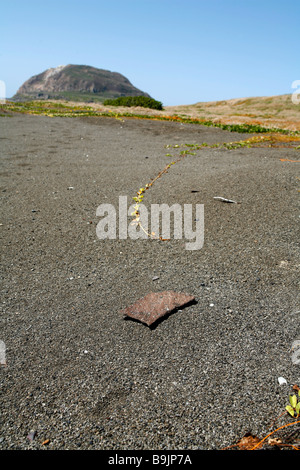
80, 376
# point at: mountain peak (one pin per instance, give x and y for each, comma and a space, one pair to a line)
54, 71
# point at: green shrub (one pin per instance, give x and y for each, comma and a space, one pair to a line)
142, 101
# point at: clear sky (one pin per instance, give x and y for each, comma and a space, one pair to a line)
178, 51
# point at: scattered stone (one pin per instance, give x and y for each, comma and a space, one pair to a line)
155, 306
31, 435
155, 278
282, 381
223, 199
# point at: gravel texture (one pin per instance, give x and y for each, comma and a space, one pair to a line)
79, 376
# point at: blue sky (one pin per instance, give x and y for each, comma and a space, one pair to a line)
178, 51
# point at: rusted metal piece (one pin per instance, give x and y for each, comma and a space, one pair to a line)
156, 305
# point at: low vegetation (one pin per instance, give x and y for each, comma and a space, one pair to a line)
67, 109
130, 101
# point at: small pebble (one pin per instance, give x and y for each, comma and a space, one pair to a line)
31, 435
282, 380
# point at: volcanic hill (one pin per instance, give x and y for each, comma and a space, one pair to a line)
76, 83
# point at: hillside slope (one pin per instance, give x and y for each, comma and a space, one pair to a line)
270, 111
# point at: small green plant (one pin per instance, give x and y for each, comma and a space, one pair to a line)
138, 200
294, 407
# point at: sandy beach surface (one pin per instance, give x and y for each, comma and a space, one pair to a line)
80, 376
